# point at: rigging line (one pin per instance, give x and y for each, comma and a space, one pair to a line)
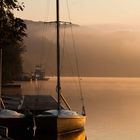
44, 29
48, 26
77, 65
69, 16
50, 47
68, 9
78, 72
64, 52
63, 47
62, 63
46, 47
1, 101
45, 38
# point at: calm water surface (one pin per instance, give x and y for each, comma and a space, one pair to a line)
112, 104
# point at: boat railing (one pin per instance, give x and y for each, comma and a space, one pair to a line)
13, 102
3, 131
2, 103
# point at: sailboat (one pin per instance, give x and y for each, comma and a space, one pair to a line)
59, 120
14, 121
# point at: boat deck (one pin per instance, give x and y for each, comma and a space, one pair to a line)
39, 102
33, 103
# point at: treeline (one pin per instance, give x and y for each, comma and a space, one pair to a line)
12, 31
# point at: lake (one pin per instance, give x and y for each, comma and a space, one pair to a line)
112, 104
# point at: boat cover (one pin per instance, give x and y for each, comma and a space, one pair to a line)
5, 113
61, 113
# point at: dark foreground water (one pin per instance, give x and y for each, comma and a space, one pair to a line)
112, 106
79, 135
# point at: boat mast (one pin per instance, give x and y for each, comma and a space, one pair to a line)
58, 55
0, 71
1, 101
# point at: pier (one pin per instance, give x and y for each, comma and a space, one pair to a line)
32, 103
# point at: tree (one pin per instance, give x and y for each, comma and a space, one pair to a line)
12, 31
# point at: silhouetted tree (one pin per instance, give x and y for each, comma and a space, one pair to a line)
12, 31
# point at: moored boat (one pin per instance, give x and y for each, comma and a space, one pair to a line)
14, 121
39, 73
59, 120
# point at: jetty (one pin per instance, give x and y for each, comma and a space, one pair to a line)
14, 100
30, 103
38, 103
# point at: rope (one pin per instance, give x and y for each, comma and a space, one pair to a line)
44, 32
63, 44
2, 103
68, 10
78, 72
77, 64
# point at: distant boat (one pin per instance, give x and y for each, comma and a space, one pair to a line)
60, 120
13, 120
39, 73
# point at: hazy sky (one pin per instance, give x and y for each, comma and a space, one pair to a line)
85, 11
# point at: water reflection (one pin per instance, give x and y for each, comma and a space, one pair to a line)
79, 135
73, 136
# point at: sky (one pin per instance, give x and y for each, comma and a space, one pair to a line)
84, 12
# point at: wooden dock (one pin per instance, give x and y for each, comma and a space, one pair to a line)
32, 103
14, 100
37, 103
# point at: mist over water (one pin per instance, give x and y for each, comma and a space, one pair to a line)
113, 108
103, 50
112, 104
